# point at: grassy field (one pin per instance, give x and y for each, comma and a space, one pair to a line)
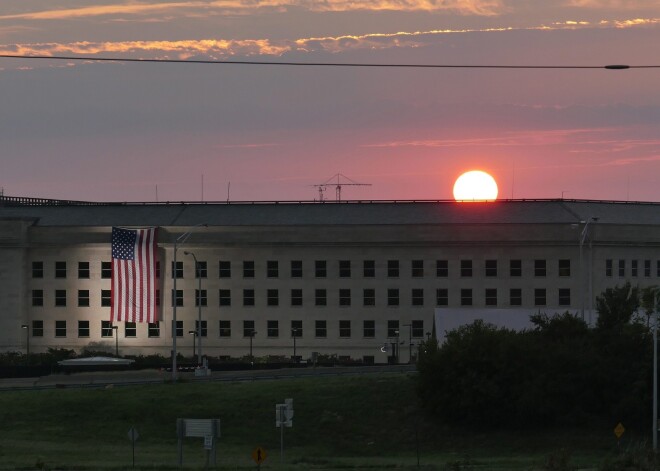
368, 422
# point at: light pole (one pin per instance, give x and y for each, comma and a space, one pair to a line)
252, 334
194, 334
199, 310
178, 241
294, 334
116, 333
583, 237
409, 342
27, 341
655, 375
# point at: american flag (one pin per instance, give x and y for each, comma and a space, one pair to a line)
134, 258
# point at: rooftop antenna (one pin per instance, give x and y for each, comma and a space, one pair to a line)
338, 184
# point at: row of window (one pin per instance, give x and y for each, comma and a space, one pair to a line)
635, 267
345, 297
248, 329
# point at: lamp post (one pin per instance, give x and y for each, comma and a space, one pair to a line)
409, 342
199, 310
116, 334
583, 237
178, 241
27, 342
194, 334
294, 334
252, 333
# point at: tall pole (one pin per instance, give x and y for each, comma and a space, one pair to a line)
199, 310
27, 342
655, 379
409, 342
194, 334
583, 237
116, 331
294, 332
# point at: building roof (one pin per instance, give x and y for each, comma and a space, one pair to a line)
56, 213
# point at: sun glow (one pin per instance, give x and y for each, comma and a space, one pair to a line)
475, 185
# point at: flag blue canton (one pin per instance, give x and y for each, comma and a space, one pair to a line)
123, 244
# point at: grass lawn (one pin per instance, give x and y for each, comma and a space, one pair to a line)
368, 422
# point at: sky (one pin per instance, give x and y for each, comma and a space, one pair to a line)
126, 131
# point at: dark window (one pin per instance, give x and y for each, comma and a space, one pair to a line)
564, 296
539, 297
106, 295
344, 268
201, 270
515, 268
273, 328
248, 269
369, 268
344, 297
204, 328
369, 329
248, 329
565, 267
296, 297
200, 298
272, 269
442, 297
321, 329
491, 297
153, 329
466, 297
83, 298
515, 297
608, 267
37, 269
248, 297
106, 270
491, 268
225, 328
539, 267
60, 328
296, 329
647, 268
177, 298
83, 272
37, 328
633, 268
296, 269
345, 329
369, 296
83, 328
393, 268
417, 329
224, 269
106, 329
392, 328
622, 268
37, 297
393, 297
60, 269
179, 329
224, 296
320, 296
273, 297
466, 268
417, 268
417, 297
320, 269
441, 268
157, 268
60, 297
130, 329
177, 271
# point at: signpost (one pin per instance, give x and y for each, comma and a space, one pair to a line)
133, 435
259, 455
208, 429
283, 418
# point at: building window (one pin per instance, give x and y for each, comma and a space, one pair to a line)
224, 269
296, 329
392, 328
37, 297
647, 268
369, 268
225, 328
37, 328
344, 268
224, 297
369, 329
344, 297
539, 297
60, 297
539, 267
296, 269
441, 268
321, 329
442, 297
608, 267
417, 329
491, 297
417, 268
491, 268
296, 297
344, 329
60, 328
369, 297
83, 270
83, 328
273, 329
272, 269
60, 269
37, 269
248, 269
466, 297
153, 329
565, 267
417, 297
320, 297
515, 297
564, 297
466, 268
633, 268
106, 329
106, 270
248, 297
248, 329
393, 268
201, 270
177, 271
177, 298
273, 297
204, 328
622, 268
130, 330
368, 359
320, 269
83, 298
106, 298
393, 297
179, 328
158, 269
515, 268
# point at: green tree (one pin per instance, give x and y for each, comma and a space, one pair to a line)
616, 306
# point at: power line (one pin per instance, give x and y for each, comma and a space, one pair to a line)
332, 64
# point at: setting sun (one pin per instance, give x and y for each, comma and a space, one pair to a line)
475, 186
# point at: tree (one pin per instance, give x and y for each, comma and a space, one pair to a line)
616, 306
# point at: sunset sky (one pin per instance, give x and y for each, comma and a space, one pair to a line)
124, 131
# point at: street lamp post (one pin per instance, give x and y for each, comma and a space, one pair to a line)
199, 310
583, 237
116, 332
252, 334
27, 341
194, 334
409, 342
294, 334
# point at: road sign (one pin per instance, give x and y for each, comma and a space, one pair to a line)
619, 429
259, 455
133, 434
